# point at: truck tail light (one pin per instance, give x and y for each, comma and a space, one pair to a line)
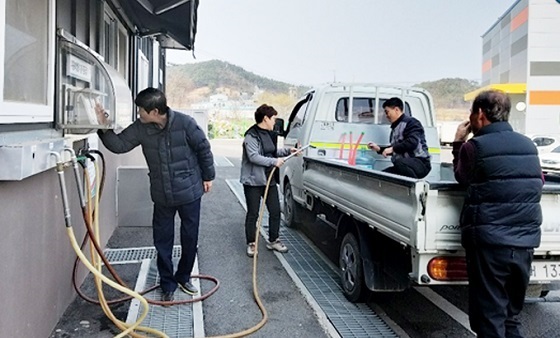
448, 268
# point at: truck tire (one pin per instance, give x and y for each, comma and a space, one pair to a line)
351, 269
290, 207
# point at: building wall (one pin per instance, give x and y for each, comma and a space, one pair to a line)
543, 82
523, 46
504, 48
37, 258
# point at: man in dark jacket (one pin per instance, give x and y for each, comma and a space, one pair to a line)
408, 148
501, 217
181, 170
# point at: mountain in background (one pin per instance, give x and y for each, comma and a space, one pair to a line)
448, 93
189, 83
448, 97
193, 83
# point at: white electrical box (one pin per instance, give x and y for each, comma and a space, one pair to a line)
91, 94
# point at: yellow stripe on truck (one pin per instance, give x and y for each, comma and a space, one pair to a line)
334, 145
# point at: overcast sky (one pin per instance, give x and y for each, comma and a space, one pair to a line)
310, 42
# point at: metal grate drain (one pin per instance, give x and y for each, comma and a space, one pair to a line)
136, 255
175, 321
321, 281
349, 319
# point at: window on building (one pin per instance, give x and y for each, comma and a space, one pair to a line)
145, 70
115, 41
27, 61
122, 65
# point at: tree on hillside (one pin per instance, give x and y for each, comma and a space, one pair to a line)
448, 93
219, 74
282, 102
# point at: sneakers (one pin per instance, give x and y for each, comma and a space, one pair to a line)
251, 249
188, 288
167, 296
277, 245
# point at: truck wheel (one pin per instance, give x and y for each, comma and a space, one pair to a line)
350, 262
290, 207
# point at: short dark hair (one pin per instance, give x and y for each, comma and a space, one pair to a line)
495, 104
152, 98
394, 102
264, 110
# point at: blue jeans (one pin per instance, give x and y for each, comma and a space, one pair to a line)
164, 233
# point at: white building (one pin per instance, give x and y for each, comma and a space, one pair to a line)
59, 58
521, 56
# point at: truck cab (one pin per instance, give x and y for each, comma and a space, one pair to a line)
339, 118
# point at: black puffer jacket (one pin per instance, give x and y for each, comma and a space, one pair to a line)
502, 207
179, 157
408, 139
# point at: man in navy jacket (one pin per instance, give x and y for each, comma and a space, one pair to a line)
501, 217
181, 170
408, 148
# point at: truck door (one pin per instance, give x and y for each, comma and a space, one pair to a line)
295, 135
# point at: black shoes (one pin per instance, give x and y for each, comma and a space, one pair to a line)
188, 288
167, 296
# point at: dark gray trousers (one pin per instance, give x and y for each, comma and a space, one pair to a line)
498, 279
253, 195
410, 167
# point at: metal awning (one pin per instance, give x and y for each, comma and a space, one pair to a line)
509, 88
173, 21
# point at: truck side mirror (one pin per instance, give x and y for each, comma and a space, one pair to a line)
279, 127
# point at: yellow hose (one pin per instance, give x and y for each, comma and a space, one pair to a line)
255, 289
96, 270
117, 286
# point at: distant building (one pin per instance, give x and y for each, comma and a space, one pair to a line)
218, 100
221, 105
200, 115
521, 56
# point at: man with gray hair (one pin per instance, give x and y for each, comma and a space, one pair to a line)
501, 216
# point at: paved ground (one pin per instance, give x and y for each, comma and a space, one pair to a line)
221, 254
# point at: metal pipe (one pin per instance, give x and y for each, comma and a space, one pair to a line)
298, 152
77, 175
60, 172
351, 105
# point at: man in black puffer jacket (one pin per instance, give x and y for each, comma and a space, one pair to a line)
501, 217
181, 169
408, 148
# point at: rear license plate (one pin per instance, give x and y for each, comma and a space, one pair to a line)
545, 271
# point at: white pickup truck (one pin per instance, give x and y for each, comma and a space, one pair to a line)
393, 231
